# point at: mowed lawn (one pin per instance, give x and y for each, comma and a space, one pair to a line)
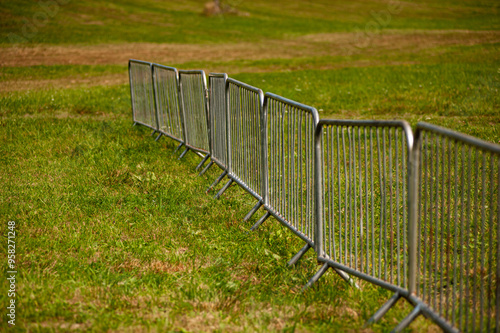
115, 234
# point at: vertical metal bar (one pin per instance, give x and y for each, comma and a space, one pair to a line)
132, 92
467, 235
497, 253
475, 237
398, 241
442, 226
413, 189
339, 193
318, 173
372, 189
448, 232
264, 153
483, 254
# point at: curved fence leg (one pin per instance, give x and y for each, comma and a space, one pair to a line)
252, 211
206, 168
299, 255
260, 221
408, 320
217, 181
217, 196
158, 137
207, 156
134, 124
153, 133
383, 310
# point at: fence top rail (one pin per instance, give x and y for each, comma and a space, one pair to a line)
223, 75
139, 62
192, 71
370, 123
173, 69
295, 104
481, 144
246, 86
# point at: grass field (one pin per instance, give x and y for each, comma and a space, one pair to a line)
115, 234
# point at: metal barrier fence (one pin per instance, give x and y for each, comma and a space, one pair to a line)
362, 197
218, 123
454, 263
244, 107
142, 93
289, 140
194, 104
166, 85
420, 219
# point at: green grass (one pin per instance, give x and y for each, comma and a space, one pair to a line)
108, 237
114, 233
92, 22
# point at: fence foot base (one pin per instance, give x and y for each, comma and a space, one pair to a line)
408, 320
178, 147
206, 168
154, 131
217, 181
383, 310
158, 137
134, 124
346, 277
299, 255
217, 196
207, 156
252, 211
183, 153
316, 277
260, 221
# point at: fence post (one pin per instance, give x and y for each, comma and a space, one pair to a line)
413, 206
318, 178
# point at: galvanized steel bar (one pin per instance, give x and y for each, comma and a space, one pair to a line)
454, 229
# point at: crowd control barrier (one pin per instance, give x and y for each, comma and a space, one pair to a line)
417, 214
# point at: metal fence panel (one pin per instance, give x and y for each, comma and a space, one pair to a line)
244, 112
142, 93
290, 186
363, 199
167, 101
218, 118
456, 229
193, 90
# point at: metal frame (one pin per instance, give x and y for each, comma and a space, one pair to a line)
453, 218
291, 125
171, 112
250, 100
195, 116
133, 95
353, 230
244, 113
218, 124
